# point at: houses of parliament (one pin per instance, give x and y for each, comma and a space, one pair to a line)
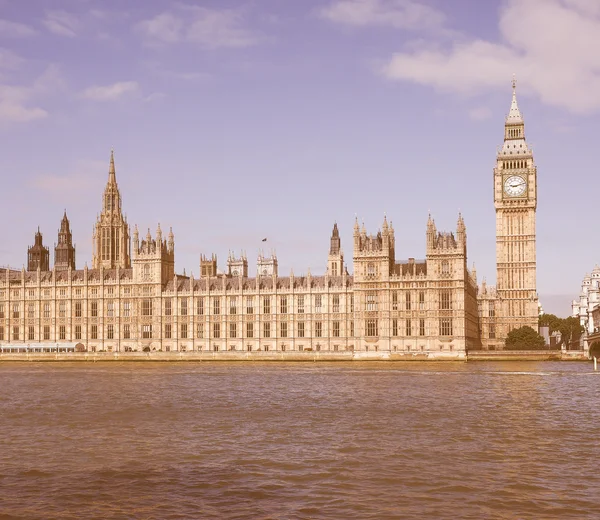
131, 299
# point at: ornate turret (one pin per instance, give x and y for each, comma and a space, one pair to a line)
111, 233
335, 260
171, 242
374, 254
335, 242
152, 259
266, 266
356, 234
158, 233
431, 233
136, 240
237, 266
64, 251
38, 256
515, 145
208, 266
461, 233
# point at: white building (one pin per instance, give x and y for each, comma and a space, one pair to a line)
589, 299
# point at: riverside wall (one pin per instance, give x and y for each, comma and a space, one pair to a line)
228, 356
198, 356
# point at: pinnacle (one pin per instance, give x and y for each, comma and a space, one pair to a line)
111, 167
514, 115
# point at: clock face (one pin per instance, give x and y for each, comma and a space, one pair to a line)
515, 186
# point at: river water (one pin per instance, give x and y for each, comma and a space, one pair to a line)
299, 440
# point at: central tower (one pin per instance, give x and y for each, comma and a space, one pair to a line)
515, 200
111, 233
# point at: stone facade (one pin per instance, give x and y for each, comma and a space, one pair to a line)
133, 300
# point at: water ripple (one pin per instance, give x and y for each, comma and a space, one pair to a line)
294, 441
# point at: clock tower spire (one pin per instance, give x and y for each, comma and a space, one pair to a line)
515, 200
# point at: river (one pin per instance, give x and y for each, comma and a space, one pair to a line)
371, 440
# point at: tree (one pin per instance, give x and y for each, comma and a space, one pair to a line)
551, 321
570, 330
524, 338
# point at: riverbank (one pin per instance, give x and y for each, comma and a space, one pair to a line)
295, 356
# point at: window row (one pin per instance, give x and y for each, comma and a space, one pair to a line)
269, 330
266, 304
416, 301
77, 291
147, 306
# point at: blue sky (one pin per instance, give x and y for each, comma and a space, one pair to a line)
237, 120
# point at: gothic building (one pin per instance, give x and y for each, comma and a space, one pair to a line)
133, 299
589, 299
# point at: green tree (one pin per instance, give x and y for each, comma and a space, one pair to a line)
524, 338
551, 321
570, 330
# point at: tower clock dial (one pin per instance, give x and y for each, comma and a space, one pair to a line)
515, 186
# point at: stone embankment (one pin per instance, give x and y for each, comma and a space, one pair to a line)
481, 355
228, 356
527, 355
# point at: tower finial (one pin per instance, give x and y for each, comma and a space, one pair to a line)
514, 115
111, 168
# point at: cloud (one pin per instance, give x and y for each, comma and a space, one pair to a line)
15, 30
155, 96
401, 14
110, 92
550, 44
61, 23
208, 28
213, 29
14, 111
16, 100
165, 28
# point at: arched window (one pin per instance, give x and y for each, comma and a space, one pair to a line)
445, 267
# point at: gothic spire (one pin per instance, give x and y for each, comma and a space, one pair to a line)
111, 169
64, 224
514, 115
335, 242
430, 223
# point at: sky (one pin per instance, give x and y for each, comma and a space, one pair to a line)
238, 120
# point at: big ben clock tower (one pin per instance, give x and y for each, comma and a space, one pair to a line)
515, 199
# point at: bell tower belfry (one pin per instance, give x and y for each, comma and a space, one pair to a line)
111, 245
515, 200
